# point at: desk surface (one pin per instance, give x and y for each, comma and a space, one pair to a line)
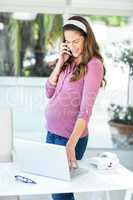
120, 179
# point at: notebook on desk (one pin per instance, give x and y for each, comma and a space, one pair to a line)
44, 159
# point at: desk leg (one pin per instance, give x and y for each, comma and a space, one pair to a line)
18, 197
107, 195
128, 195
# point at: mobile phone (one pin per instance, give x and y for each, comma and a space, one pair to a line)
69, 51
67, 47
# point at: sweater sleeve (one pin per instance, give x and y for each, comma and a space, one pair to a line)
50, 89
92, 83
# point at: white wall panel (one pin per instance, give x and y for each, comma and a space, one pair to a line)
38, 6
101, 7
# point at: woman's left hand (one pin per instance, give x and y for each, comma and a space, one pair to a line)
70, 149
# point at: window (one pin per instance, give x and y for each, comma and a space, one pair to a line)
29, 43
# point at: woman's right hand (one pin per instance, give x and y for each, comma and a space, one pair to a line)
64, 54
63, 57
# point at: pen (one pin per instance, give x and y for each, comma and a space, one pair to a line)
24, 179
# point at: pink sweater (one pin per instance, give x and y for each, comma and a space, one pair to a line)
72, 100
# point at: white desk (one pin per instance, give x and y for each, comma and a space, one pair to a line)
120, 179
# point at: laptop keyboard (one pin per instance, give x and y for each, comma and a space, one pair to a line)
77, 172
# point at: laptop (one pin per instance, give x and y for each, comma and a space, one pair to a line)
44, 159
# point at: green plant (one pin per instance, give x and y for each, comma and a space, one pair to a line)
122, 55
121, 114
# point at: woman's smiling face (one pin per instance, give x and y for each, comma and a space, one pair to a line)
75, 42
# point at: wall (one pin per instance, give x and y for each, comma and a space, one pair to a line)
26, 96
102, 7
131, 91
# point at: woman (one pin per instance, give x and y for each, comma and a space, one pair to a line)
72, 88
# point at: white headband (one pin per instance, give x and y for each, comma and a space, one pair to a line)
76, 23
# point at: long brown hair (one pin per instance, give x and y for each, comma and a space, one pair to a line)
91, 49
